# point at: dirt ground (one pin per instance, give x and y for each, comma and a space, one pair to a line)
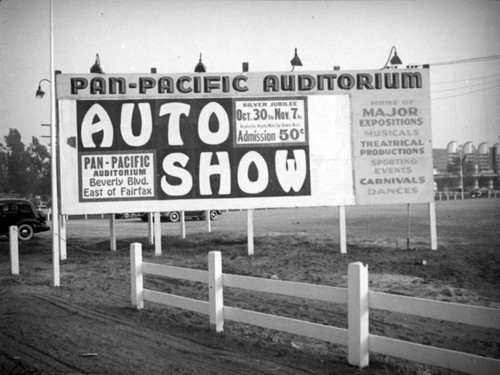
87, 325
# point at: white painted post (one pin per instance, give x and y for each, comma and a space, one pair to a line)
157, 225
215, 288
62, 237
112, 232
136, 275
14, 250
151, 236
250, 232
432, 223
343, 232
183, 225
209, 222
358, 311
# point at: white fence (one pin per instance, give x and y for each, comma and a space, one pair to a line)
357, 297
453, 195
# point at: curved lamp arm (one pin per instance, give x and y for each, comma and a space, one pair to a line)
40, 93
395, 60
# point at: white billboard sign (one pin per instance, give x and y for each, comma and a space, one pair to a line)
152, 142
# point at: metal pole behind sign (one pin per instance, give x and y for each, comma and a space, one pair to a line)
53, 157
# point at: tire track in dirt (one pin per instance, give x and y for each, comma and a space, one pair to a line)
55, 334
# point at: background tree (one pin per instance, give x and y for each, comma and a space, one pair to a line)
39, 167
24, 171
17, 164
3, 169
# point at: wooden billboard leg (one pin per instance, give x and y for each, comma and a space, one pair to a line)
432, 220
151, 235
112, 230
62, 237
14, 249
183, 224
157, 228
250, 231
342, 226
209, 222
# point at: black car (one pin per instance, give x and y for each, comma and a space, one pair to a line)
175, 216
22, 213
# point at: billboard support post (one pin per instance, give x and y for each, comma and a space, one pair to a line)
151, 236
62, 237
183, 224
112, 232
250, 231
209, 221
342, 226
432, 224
157, 229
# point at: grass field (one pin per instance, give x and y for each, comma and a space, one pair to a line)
290, 244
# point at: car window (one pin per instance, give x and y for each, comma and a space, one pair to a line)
25, 208
13, 207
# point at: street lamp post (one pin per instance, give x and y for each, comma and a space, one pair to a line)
53, 152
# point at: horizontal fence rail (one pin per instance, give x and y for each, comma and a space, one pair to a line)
356, 296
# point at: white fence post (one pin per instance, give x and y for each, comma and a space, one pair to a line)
14, 250
215, 295
136, 275
358, 336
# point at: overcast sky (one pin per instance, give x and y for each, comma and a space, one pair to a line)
460, 39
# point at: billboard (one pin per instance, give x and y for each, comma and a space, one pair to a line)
153, 142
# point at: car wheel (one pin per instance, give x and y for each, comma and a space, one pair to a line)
125, 216
214, 215
25, 232
174, 216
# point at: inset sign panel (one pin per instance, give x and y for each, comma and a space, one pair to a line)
191, 154
392, 149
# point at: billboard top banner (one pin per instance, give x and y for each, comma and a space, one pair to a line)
189, 85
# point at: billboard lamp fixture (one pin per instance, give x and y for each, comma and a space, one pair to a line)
40, 93
395, 60
200, 67
96, 68
296, 60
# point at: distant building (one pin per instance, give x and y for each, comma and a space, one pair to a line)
480, 167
